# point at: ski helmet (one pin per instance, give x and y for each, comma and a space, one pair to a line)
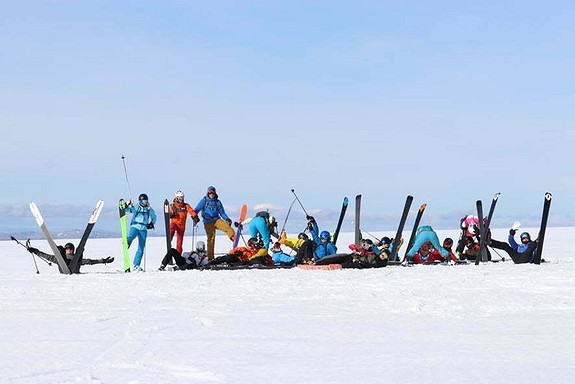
448, 240
254, 242
200, 246
366, 244
179, 195
302, 236
525, 235
69, 246
385, 240
324, 235
143, 196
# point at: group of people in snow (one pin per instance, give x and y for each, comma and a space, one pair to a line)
319, 249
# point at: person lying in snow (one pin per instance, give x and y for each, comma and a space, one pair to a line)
187, 260
249, 255
67, 252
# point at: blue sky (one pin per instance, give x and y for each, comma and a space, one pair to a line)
447, 101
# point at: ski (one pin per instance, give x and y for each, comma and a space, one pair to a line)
79, 254
124, 228
484, 226
414, 230
340, 221
62, 266
402, 220
479, 206
357, 217
243, 215
543, 227
167, 224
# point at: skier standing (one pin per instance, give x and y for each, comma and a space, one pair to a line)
215, 217
179, 211
143, 218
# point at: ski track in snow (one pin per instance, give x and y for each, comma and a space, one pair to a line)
492, 323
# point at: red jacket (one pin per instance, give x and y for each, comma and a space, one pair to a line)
179, 213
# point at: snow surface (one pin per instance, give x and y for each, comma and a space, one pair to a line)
492, 323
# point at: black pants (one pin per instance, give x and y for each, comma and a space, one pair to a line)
179, 260
305, 252
517, 257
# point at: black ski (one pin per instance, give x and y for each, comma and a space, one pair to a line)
479, 206
167, 224
484, 227
340, 221
543, 227
414, 230
357, 217
79, 254
402, 220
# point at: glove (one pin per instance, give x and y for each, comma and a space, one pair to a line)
229, 221
129, 202
107, 260
512, 232
33, 250
236, 224
150, 225
309, 218
196, 220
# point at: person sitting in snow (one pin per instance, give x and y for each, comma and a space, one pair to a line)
386, 245
303, 245
281, 258
187, 260
470, 250
249, 255
424, 255
447, 245
324, 246
366, 255
519, 253
67, 252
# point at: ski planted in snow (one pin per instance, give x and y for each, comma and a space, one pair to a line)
243, 215
414, 230
543, 227
79, 254
402, 220
357, 217
124, 228
484, 227
167, 224
62, 266
340, 221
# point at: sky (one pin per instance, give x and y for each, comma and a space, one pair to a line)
446, 101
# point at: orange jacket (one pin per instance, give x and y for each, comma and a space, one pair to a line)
243, 253
179, 213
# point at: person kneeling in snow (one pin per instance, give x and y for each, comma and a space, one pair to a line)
426, 234
67, 252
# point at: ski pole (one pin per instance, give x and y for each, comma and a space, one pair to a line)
126, 174
287, 215
193, 238
378, 240
502, 258
298, 200
33, 258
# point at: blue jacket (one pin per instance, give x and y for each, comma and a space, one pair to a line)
259, 225
321, 249
141, 216
281, 257
211, 209
520, 248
